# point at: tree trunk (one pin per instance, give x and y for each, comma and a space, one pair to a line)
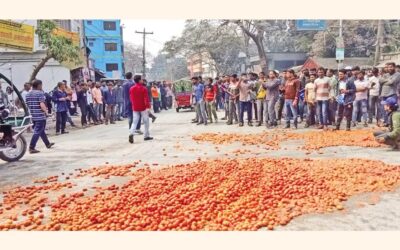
261, 54
39, 66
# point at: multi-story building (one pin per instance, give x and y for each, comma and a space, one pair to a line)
105, 41
18, 65
201, 64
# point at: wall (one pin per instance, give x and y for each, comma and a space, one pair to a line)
97, 37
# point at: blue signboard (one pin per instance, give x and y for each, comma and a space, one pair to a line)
311, 24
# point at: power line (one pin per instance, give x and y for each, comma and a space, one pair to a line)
144, 48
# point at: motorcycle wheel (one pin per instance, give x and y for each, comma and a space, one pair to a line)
14, 154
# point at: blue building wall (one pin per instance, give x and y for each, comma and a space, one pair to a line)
96, 37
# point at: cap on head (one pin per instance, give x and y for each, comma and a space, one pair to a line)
391, 101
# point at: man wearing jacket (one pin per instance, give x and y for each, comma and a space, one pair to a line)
140, 106
388, 84
60, 98
119, 98
272, 96
392, 137
292, 88
347, 90
83, 104
109, 101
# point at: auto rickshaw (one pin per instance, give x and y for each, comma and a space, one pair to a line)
182, 90
14, 121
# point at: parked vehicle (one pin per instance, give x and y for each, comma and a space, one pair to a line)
182, 90
14, 121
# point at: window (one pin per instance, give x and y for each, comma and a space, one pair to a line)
110, 46
89, 22
64, 24
108, 25
111, 66
91, 44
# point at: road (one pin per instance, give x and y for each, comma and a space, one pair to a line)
100, 145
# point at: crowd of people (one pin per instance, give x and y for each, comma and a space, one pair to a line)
103, 102
318, 97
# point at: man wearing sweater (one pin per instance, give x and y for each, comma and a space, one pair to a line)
322, 88
292, 87
389, 83
60, 98
140, 106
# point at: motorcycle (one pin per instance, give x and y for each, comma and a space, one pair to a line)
14, 121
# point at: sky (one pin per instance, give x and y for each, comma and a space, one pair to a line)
163, 31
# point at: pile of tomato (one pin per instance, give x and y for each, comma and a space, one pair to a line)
222, 194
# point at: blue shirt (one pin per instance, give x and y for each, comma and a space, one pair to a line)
33, 100
109, 97
199, 92
61, 106
125, 93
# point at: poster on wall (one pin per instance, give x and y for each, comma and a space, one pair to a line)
16, 35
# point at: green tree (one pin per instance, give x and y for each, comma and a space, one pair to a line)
58, 48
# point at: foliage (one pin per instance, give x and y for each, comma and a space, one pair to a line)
133, 56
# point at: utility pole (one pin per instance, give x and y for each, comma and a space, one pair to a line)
340, 46
144, 48
379, 42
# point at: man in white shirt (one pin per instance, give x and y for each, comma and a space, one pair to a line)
373, 102
361, 101
25, 91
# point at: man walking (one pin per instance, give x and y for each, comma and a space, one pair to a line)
36, 102
141, 106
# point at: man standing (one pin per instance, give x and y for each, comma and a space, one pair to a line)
198, 95
141, 106
60, 99
109, 101
156, 98
245, 100
292, 88
332, 97
210, 96
272, 96
225, 94
119, 98
347, 90
163, 93
36, 102
25, 91
322, 88
281, 100
233, 91
361, 101
83, 104
373, 103
98, 101
309, 97
389, 83
260, 98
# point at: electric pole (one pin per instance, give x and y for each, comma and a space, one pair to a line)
379, 42
144, 48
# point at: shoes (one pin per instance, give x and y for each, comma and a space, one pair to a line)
353, 124
347, 129
200, 123
195, 121
295, 125
258, 124
153, 119
106, 123
250, 124
57, 133
130, 139
229, 123
51, 144
65, 132
148, 138
320, 127
241, 124
287, 125
33, 151
366, 124
224, 119
112, 122
306, 125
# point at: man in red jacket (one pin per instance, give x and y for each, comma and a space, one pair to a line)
140, 106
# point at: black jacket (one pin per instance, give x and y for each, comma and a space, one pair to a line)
82, 98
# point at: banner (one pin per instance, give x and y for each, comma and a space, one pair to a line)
16, 36
311, 24
69, 35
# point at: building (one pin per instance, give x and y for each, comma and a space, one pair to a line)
104, 39
201, 64
389, 57
18, 64
278, 60
331, 63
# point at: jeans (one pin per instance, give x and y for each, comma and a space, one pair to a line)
130, 121
360, 106
246, 106
98, 107
201, 111
211, 110
261, 108
164, 102
310, 114
84, 111
232, 111
332, 107
156, 105
118, 111
281, 104
91, 114
346, 111
110, 113
289, 107
269, 111
137, 116
39, 128
226, 107
374, 108
323, 112
254, 104
61, 120
300, 109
